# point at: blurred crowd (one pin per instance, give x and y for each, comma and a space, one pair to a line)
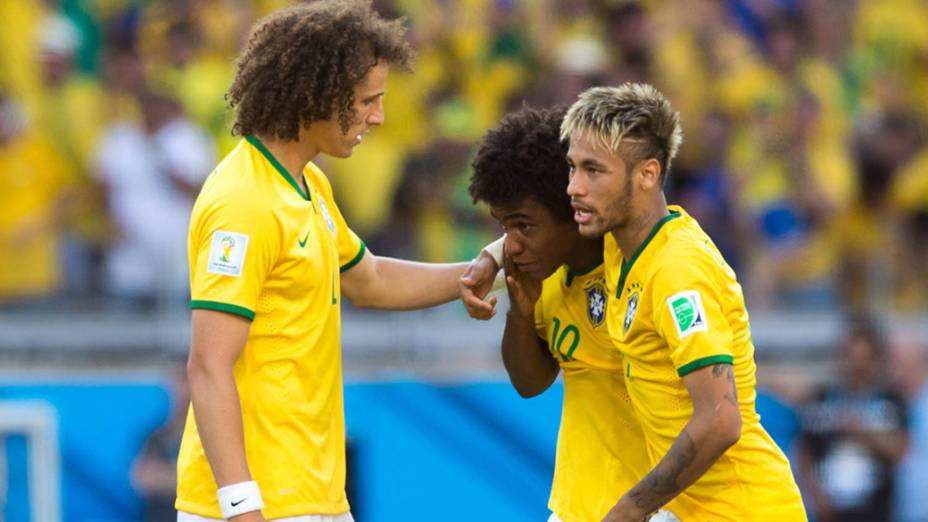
805, 153
861, 445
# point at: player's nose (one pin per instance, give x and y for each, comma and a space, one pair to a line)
512, 246
575, 186
377, 115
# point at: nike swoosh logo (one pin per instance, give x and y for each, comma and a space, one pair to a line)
303, 241
239, 502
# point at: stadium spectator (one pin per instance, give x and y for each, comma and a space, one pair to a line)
150, 173
154, 472
34, 179
70, 107
909, 374
853, 435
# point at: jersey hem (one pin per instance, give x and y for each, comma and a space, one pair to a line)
223, 307
357, 259
692, 366
292, 511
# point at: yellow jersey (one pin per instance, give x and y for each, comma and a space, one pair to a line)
600, 446
674, 307
262, 248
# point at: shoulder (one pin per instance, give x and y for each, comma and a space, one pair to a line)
682, 261
553, 288
688, 254
230, 196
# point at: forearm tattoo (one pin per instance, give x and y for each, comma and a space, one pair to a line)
662, 483
726, 369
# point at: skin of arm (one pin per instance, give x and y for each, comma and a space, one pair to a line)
714, 427
386, 283
528, 362
216, 342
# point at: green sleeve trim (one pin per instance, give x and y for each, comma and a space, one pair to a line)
357, 259
702, 363
223, 307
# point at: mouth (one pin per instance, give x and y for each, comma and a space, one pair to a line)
527, 268
360, 137
582, 213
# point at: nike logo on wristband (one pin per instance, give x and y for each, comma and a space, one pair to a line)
239, 502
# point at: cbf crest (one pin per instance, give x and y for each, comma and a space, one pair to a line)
596, 304
634, 294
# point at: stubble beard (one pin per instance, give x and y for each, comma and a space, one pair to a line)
619, 214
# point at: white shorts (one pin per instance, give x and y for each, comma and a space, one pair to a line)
344, 517
660, 516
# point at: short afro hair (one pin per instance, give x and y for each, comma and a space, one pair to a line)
301, 65
524, 157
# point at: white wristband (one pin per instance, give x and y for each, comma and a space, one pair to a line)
236, 499
495, 249
500, 282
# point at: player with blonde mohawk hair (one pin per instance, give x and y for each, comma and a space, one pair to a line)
677, 314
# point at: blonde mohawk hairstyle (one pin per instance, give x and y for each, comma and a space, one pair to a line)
633, 116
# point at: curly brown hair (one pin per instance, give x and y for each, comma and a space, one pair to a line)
302, 63
524, 157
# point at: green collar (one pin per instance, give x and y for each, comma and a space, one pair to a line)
627, 265
571, 273
256, 143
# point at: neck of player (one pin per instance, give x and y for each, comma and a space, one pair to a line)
585, 254
293, 155
639, 225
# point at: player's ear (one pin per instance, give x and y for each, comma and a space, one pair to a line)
649, 173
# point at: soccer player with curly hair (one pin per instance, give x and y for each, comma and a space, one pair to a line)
556, 318
270, 257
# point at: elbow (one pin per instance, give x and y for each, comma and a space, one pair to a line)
527, 392
361, 300
362, 304
722, 426
196, 370
202, 370
729, 429
532, 386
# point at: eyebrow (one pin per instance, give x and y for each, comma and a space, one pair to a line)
510, 216
590, 163
593, 163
